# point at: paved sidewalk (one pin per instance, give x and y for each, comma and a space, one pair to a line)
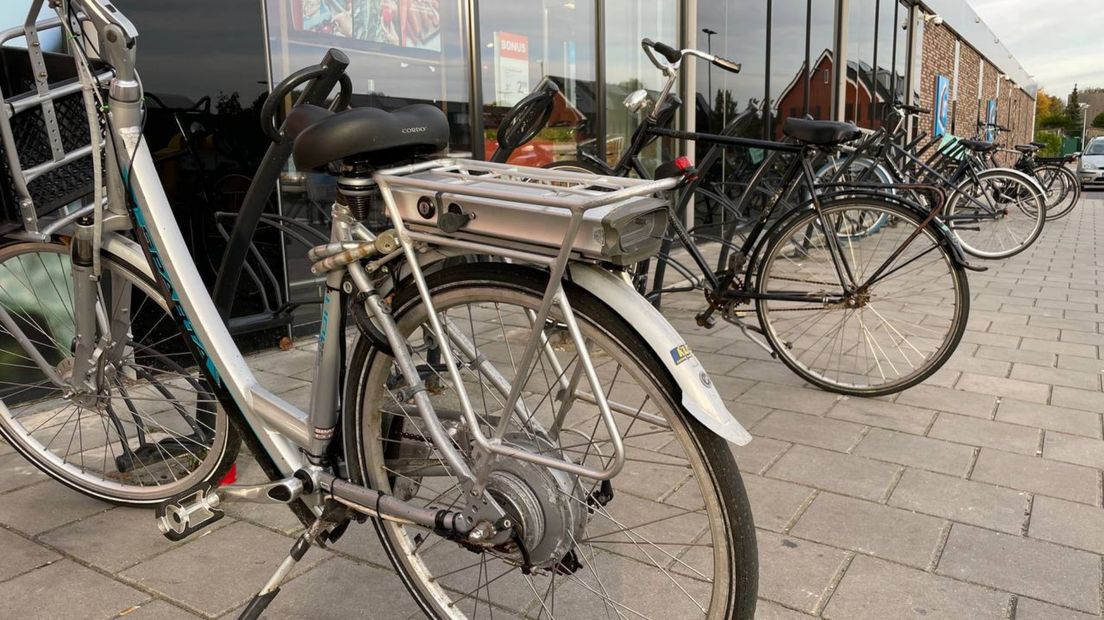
975, 495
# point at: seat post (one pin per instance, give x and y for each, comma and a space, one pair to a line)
356, 189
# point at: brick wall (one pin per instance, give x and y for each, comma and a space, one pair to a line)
969, 106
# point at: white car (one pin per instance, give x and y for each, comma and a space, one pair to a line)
1090, 168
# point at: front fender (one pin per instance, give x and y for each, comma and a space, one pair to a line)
699, 396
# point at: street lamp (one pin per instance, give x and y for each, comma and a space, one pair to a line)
709, 71
1083, 106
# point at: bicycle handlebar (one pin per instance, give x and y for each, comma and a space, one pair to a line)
911, 109
674, 56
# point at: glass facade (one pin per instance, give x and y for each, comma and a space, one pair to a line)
209, 63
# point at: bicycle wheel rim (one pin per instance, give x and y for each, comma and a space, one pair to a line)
437, 595
997, 215
887, 341
170, 455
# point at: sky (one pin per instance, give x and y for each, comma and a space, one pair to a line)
1060, 42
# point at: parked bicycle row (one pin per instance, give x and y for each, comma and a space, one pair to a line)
843, 253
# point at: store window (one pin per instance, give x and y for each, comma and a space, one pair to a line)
822, 37
787, 62
861, 92
400, 52
523, 43
628, 69
733, 102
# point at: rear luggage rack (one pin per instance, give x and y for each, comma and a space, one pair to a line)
538, 212
45, 143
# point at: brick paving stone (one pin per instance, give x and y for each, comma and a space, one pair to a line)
991, 339
1085, 364
878, 590
1038, 569
796, 573
874, 529
923, 452
1078, 399
831, 471
1039, 358
45, 506
113, 540
1074, 449
960, 500
158, 610
804, 400
747, 415
66, 590
21, 555
945, 399
767, 610
1073, 421
1018, 328
967, 363
770, 371
1030, 609
884, 414
333, 581
18, 472
1005, 388
962, 429
1050, 346
774, 502
810, 430
1056, 376
1037, 475
197, 574
1069, 523
757, 455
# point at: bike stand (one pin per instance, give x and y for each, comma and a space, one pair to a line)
332, 515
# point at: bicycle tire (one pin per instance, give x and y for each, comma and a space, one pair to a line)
1068, 198
1009, 194
868, 366
370, 429
159, 364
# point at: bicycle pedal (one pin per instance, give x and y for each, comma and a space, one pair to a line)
183, 515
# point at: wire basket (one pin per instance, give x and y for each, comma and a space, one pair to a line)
54, 175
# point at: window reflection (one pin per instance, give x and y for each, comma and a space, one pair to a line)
787, 55
525, 42
733, 101
628, 69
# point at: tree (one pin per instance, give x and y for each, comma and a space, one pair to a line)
1073, 111
1047, 105
1098, 122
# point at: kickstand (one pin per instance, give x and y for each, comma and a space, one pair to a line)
332, 514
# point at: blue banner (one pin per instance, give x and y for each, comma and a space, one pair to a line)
941, 113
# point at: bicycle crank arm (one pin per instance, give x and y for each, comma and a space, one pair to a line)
194, 510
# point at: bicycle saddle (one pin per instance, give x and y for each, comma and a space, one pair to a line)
1038, 145
370, 134
979, 146
820, 133
1026, 149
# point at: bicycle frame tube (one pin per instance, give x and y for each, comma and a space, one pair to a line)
280, 427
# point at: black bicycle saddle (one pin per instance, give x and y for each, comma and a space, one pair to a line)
322, 137
979, 146
820, 133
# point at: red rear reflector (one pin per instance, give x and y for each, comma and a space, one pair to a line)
684, 163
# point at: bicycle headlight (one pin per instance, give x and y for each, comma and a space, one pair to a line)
633, 231
637, 100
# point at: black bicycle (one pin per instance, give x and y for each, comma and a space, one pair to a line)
849, 309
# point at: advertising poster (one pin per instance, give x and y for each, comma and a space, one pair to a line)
941, 112
409, 24
511, 61
991, 119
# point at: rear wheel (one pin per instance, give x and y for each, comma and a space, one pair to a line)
1061, 188
670, 536
997, 214
880, 334
149, 427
